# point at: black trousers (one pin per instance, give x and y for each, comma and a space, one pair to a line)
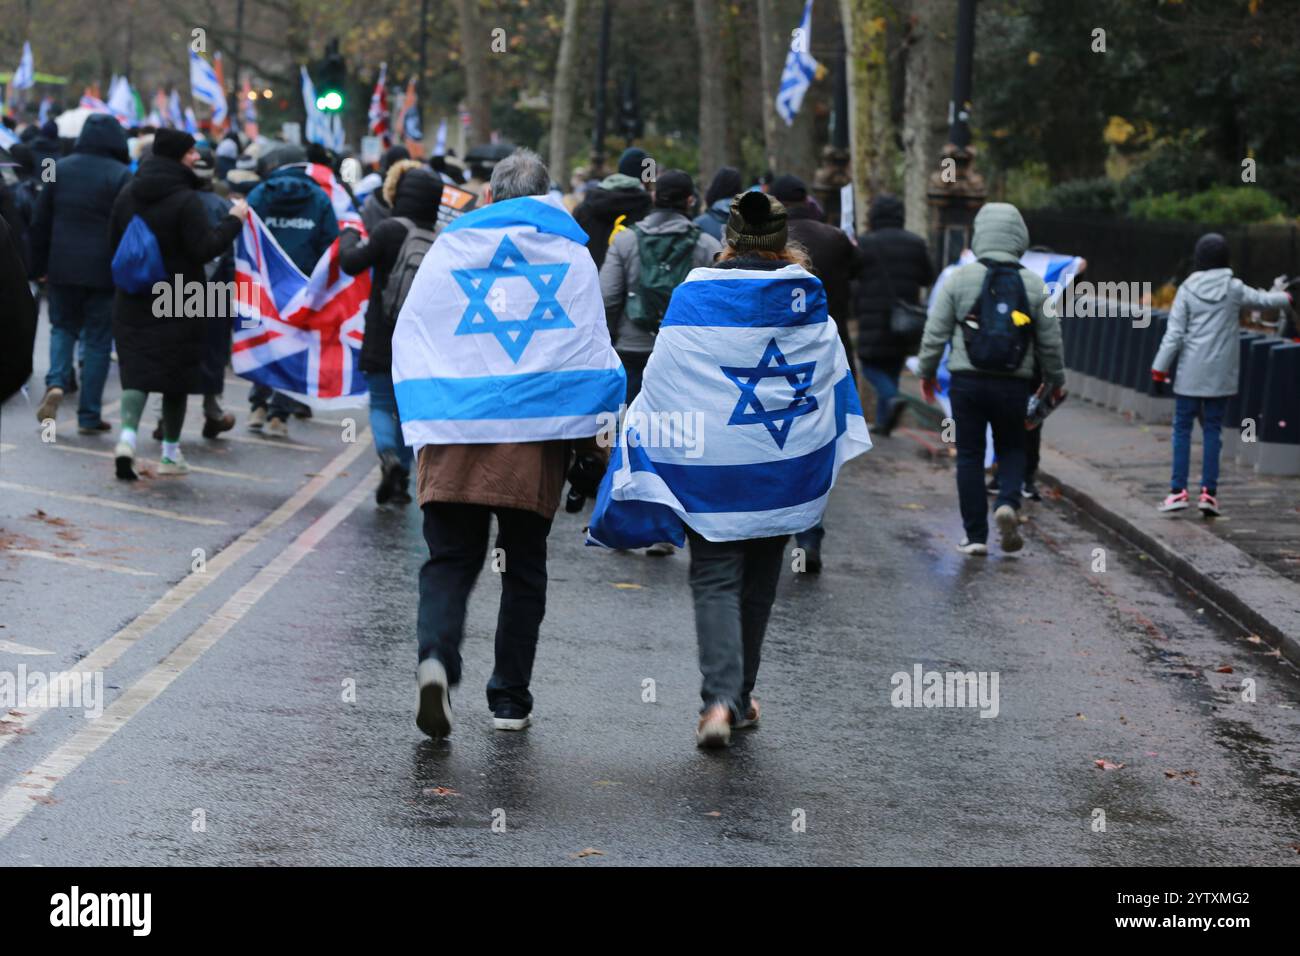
457, 536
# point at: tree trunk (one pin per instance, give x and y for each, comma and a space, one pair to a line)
562, 101
872, 147
927, 90
713, 92
473, 47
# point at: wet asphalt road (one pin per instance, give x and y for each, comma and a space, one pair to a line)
270, 696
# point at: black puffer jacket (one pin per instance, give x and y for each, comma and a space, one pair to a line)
600, 209
17, 318
834, 260
419, 192
888, 249
161, 353
70, 233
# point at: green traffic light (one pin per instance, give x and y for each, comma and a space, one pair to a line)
330, 101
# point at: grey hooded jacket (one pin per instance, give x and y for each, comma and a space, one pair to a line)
1000, 235
1202, 332
620, 273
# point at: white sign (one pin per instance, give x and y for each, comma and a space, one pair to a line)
291, 133
372, 149
846, 211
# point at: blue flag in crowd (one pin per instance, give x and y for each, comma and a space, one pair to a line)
206, 88
502, 337
24, 77
746, 414
800, 68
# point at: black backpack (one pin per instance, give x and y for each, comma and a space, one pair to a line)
405, 266
999, 327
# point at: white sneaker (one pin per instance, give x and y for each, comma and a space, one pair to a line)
1009, 527
714, 730
968, 546
49, 406
512, 723
661, 549
256, 419
434, 715
275, 428
1174, 501
174, 466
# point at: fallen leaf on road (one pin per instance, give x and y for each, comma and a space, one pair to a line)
1225, 669
1107, 765
1188, 775
1080, 717
910, 506
590, 851
41, 799
626, 586
714, 813
609, 783
439, 792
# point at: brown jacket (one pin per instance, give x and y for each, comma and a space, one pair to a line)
528, 476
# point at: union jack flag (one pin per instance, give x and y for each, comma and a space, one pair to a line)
295, 333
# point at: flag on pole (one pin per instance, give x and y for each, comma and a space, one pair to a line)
191, 121
379, 108
90, 100
440, 139
296, 333
122, 101
746, 414
408, 120
502, 337
206, 87
175, 115
248, 109
24, 77
220, 122
47, 104
318, 129
800, 68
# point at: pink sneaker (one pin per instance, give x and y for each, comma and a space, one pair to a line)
1208, 504
1175, 501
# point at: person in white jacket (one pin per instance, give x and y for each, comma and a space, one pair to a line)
1202, 336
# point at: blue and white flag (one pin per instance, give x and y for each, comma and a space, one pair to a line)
747, 411
800, 68
502, 337
24, 77
205, 87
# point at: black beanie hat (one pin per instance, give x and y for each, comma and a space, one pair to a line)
757, 221
788, 189
171, 143
1211, 252
673, 188
630, 163
726, 183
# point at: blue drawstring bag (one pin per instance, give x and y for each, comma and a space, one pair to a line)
138, 262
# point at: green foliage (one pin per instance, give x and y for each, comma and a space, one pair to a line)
1098, 195
1220, 206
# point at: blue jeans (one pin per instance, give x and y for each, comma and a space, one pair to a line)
883, 379
78, 312
384, 420
978, 403
1210, 412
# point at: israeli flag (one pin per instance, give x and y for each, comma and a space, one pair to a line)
24, 77
747, 411
502, 337
205, 87
800, 68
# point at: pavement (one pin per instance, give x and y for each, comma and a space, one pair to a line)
253, 628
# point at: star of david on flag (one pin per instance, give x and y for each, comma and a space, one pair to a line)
749, 409
513, 334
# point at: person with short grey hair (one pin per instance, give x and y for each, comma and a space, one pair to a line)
522, 173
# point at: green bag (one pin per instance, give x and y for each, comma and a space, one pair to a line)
666, 258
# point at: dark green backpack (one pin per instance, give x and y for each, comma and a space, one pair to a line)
666, 258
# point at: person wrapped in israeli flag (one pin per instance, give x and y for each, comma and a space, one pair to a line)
747, 412
502, 337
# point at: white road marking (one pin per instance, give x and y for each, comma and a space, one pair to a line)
108, 653
109, 503
13, 647
20, 799
4, 447
80, 562
280, 443
201, 469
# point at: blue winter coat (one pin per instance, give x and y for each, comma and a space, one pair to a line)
70, 241
298, 213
